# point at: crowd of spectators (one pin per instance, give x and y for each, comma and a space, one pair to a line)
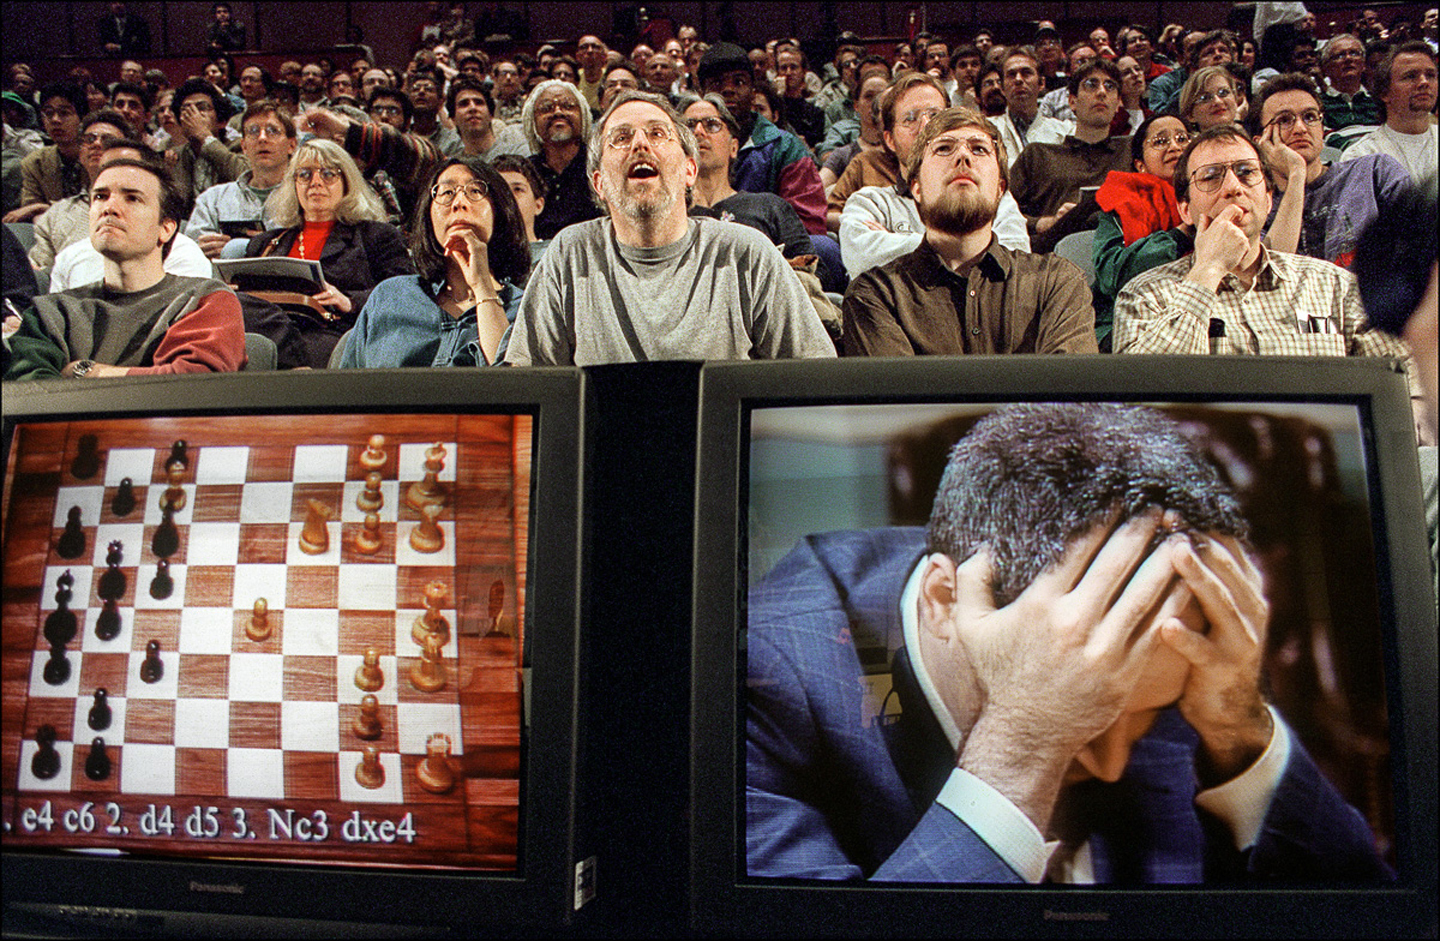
495, 201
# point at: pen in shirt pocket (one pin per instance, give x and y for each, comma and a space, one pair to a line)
1320, 324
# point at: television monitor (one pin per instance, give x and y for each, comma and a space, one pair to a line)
819, 752
291, 651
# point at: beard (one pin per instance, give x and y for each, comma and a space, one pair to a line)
993, 103
958, 212
638, 208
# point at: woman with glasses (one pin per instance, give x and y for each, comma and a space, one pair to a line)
1208, 98
326, 212
1139, 225
469, 245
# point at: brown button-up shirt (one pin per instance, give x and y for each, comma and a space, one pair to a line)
1046, 176
1008, 302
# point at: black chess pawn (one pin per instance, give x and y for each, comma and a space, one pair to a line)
46, 763
100, 712
178, 455
72, 541
162, 585
112, 580
167, 538
107, 622
57, 668
124, 503
87, 461
152, 668
61, 624
97, 766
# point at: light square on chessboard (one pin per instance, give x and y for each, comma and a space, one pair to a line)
294, 555
312, 587
320, 463
367, 587
255, 772
310, 726
136, 463
130, 535
80, 782
39, 688
266, 502
154, 513
80, 571
351, 556
204, 676
361, 630
223, 465
148, 769
256, 677
202, 723
311, 679
416, 722
219, 503
164, 688
151, 721
90, 500
412, 461
213, 544
210, 586
114, 734
259, 581
200, 771
60, 782
391, 792
108, 671
405, 643
255, 724
145, 576
351, 513
349, 693
405, 554
206, 630
312, 776
311, 632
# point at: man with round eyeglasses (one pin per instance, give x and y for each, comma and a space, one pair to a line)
647, 282
229, 210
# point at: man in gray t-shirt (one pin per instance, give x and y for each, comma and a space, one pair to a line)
649, 283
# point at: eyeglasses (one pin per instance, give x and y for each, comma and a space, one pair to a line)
945, 147
264, 130
1286, 119
1208, 178
550, 107
709, 125
1161, 141
444, 193
385, 109
918, 116
96, 138
624, 135
53, 113
1095, 84
306, 174
1205, 97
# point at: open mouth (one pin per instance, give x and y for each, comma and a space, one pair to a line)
642, 170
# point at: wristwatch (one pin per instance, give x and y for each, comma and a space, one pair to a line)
82, 369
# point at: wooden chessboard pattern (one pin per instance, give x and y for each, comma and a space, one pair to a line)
266, 726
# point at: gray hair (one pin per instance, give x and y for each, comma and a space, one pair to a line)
358, 204
718, 101
597, 144
527, 114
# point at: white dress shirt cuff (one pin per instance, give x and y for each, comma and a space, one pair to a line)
1243, 801
1002, 825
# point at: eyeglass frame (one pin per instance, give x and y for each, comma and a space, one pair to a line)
712, 124
666, 130
966, 142
264, 130
328, 174
1312, 117
1205, 97
466, 187
1094, 83
1229, 167
912, 117
1162, 141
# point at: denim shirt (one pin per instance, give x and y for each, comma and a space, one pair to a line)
401, 325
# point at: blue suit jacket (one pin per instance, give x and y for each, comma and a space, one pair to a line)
830, 797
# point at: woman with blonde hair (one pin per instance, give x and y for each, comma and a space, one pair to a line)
1209, 98
326, 212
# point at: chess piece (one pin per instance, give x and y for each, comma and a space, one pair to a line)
71, 544
497, 609
97, 766
370, 773
429, 491
428, 673
112, 580
368, 540
178, 454
373, 458
107, 622
369, 676
61, 625
427, 537
370, 500
367, 723
46, 763
162, 586
87, 459
152, 668
432, 622
57, 668
167, 537
174, 494
100, 712
259, 627
434, 772
124, 503
315, 535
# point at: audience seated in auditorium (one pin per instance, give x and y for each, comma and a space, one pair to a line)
53, 172
68, 220
1208, 99
851, 137
524, 181
472, 107
1405, 83
1022, 123
557, 124
229, 210
203, 160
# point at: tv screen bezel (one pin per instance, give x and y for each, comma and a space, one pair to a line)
724, 899
227, 895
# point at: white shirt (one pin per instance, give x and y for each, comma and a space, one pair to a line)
79, 263
863, 248
1416, 152
1042, 130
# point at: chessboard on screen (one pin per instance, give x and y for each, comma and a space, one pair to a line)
276, 637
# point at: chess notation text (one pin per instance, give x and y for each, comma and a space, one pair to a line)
205, 822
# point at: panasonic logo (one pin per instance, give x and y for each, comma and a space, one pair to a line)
228, 889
